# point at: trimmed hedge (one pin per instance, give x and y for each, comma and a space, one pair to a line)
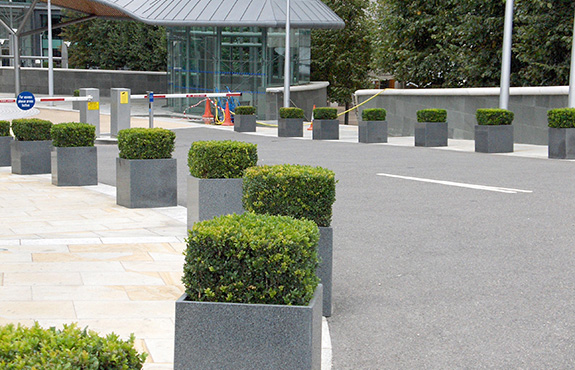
146, 143
31, 129
373, 114
291, 113
4, 128
73, 134
290, 190
245, 110
225, 159
252, 258
432, 115
325, 113
68, 348
561, 118
494, 116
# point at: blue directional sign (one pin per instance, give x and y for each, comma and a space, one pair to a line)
25, 100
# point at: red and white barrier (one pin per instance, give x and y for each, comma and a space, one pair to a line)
69, 98
204, 95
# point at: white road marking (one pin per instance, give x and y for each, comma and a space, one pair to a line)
459, 184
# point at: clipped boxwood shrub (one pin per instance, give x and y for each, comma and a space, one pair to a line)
73, 134
221, 159
291, 190
4, 128
432, 115
69, 348
291, 113
494, 116
146, 143
245, 110
561, 118
325, 113
77, 92
252, 258
373, 114
31, 129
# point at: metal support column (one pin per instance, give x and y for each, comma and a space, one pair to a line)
506, 57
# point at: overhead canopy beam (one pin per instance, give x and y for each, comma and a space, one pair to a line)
59, 25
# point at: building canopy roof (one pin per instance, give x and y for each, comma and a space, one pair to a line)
211, 13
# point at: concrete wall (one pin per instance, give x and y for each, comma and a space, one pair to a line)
66, 81
530, 105
303, 97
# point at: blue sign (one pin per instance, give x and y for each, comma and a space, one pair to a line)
151, 97
25, 100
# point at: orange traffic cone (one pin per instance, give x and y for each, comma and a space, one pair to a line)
310, 128
208, 116
227, 116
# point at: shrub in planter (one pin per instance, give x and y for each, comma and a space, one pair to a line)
67, 348
303, 192
215, 181
290, 123
5, 141
494, 132
74, 156
373, 127
561, 122
325, 124
245, 119
431, 128
30, 151
145, 170
251, 295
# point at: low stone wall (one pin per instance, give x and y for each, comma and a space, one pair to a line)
304, 97
529, 104
66, 81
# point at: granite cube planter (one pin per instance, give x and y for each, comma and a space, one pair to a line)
493, 138
430, 134
212, 335
325, 268
325, 129
5, 157
290, 127
31, 157
77, 166
245, 123
561, 143
372, 132
208, 198
146, 183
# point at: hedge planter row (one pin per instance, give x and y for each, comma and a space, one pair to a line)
245, 119
561, 133
373, 127
494, 132
74, 156
30, 151
325, 124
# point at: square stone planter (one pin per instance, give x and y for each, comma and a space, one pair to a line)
290, 127
76, 166
146, 183
208, 198
494, 139
561, 143
211, 335
30, 157
5, 157
245, 123
325, 129
430, 134
372, 132
325, 268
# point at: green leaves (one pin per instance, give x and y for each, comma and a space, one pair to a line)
252, 258
4, 128
246, 110
432, 115
68, 348
373, 114
561, 118
291, 112
146, 143
31, 129
492, 116
225, 159
73, 134
325, 113
302, 192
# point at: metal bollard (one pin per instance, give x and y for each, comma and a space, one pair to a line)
120, 110
151, 107
90, 110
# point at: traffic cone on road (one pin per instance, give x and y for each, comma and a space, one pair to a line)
310, 128
208, 116
227, 116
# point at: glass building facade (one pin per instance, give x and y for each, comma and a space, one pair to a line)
222, 59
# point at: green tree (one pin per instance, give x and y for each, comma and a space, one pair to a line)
343, 57
116, 45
